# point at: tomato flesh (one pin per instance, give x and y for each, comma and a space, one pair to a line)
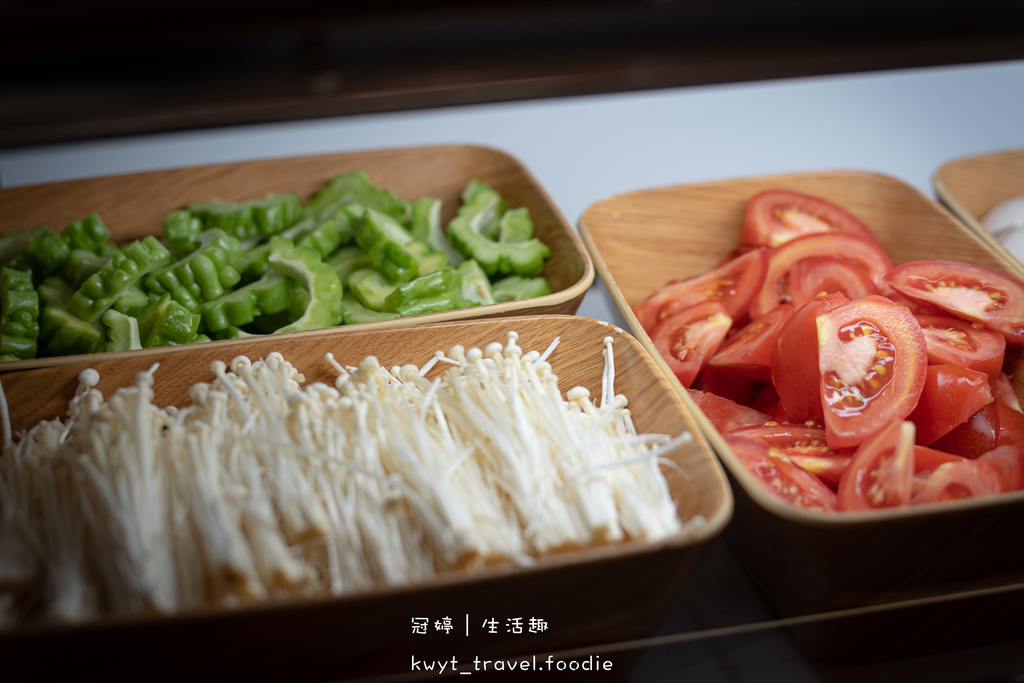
951, 394
872, 360
1008, 462
776, 216
777, 474
960, 342
881, 471
865, 253
810, 276
724, 414
689, 338
967, 291
958, 481
751, 350
733, 284
795, 371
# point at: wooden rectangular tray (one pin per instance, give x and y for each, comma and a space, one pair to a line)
806, 562
133, 206
971, 186
599, 595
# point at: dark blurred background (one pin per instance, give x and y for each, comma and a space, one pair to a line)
73, 70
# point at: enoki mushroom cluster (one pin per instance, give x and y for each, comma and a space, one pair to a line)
263, 488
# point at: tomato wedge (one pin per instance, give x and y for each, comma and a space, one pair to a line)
965, 290
872, 360
795, 371
927, 459
957, 481
994, 425
881, 472
951, 394
864, 252
751, 350
810, 276
778, 475
1003, 391
1008, 462
733, 284
689, 338
776, 216
724, 414
961, 342
804, 445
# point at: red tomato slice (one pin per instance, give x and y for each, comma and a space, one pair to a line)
951, 394
777, 216
727, 384
967, 291
1008, 462
724, 414
1003, 392
689, 338
961, 342
751, 350
866, 253
994, 425
804, 445
927, 459
828, 468
957, 481
795, 371
872, 360
778, 475
733, 284
810, 276
881, 472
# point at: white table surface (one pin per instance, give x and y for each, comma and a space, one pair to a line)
902, 123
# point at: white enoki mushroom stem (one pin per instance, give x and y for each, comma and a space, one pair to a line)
263, 488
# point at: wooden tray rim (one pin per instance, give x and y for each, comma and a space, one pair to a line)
762, 498
574, 291
693, 536
948, 197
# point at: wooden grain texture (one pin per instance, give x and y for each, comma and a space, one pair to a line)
133, 206
972, 186
593, 593
807, 562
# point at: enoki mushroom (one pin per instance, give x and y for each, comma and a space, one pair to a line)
262, 488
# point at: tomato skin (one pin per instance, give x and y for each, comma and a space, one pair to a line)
804, 445
829, 274
951, 394
866, 253
778, 475
977, 293
776, 216
926, 458
724, 414
795, 371
881, 471
994, 425
733, 284
872, 361
958, 481
961, 342
1008, 462
751, 350
1003, 392
689, 338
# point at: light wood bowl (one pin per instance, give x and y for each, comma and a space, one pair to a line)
806, 562
971, 186
587, 597
133, 206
